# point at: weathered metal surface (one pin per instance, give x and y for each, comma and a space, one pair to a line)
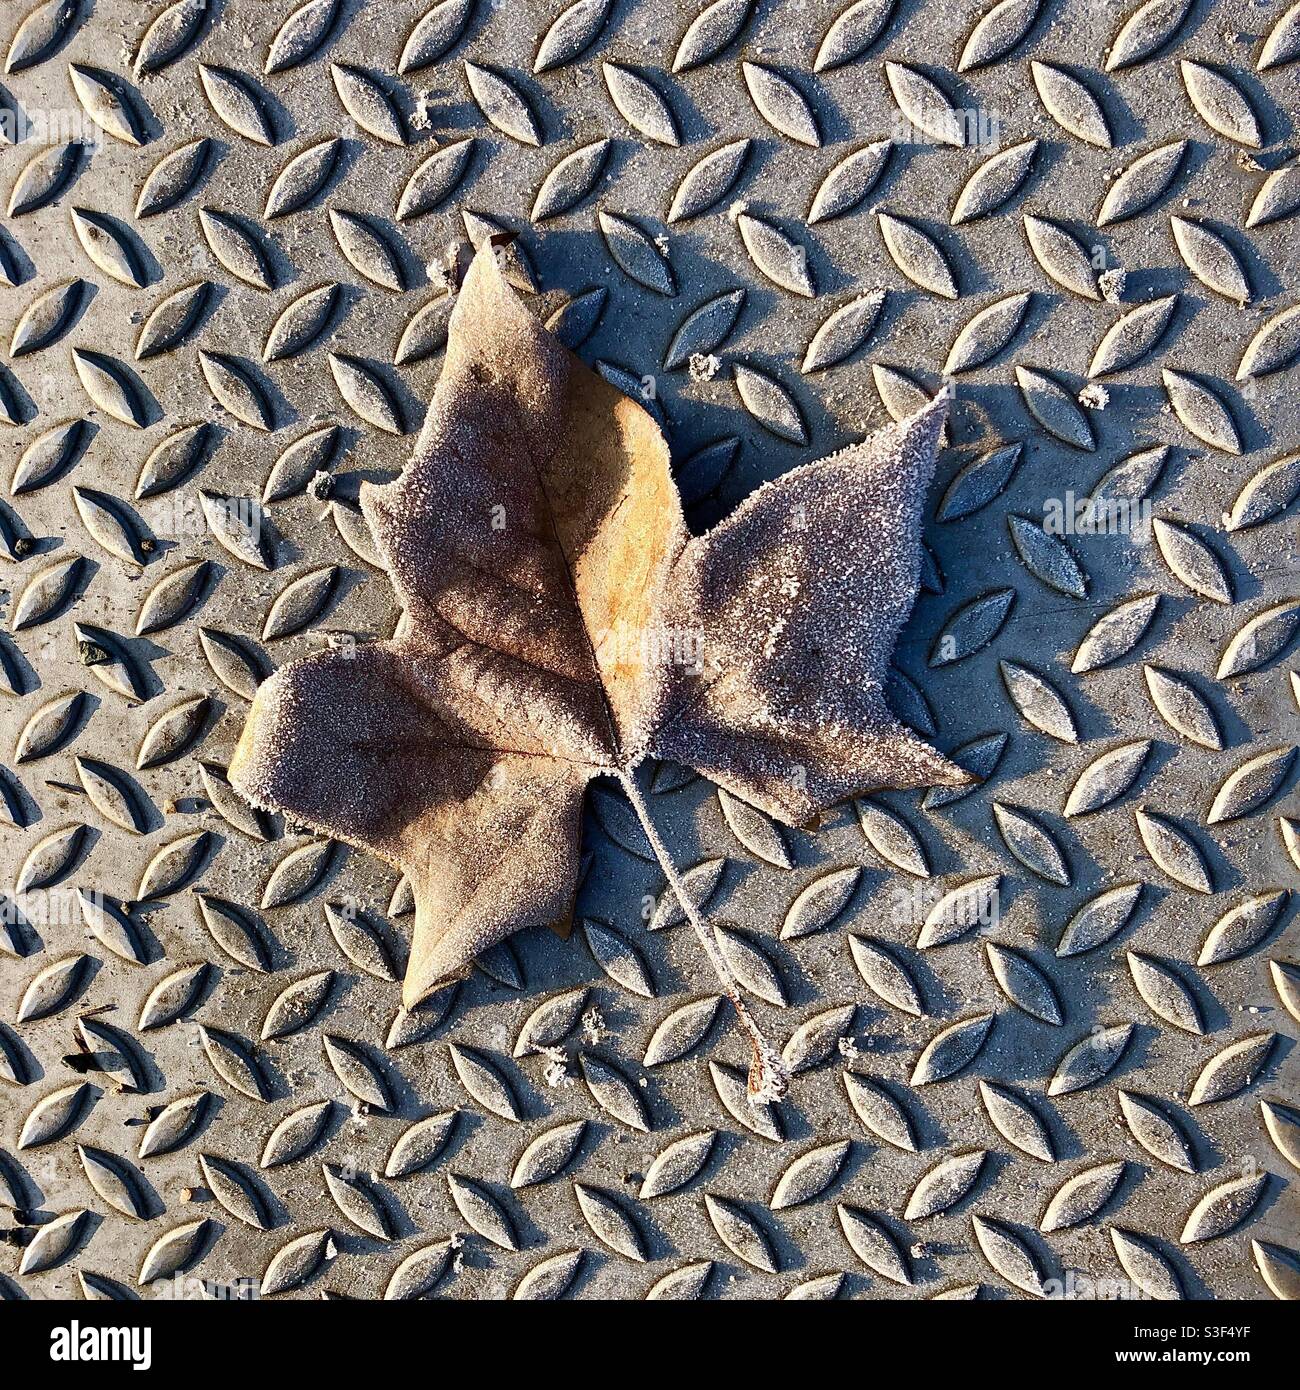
182, 316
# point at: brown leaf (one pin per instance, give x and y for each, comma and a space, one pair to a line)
797, 598
551, 590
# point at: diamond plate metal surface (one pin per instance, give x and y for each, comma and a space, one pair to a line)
1044, 1033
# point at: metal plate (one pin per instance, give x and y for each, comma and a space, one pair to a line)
1134, 1102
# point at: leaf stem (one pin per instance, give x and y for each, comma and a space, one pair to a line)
768, 1075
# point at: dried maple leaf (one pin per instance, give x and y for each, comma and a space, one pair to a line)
551, 591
